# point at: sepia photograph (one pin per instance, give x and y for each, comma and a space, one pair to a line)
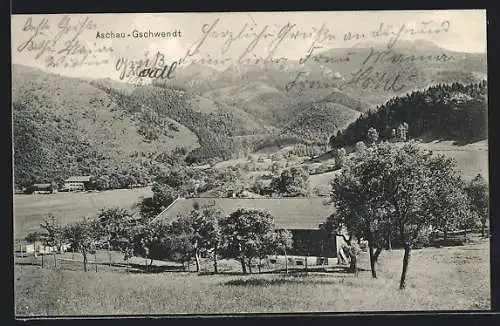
227, 163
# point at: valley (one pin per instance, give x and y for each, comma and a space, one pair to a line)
71, 126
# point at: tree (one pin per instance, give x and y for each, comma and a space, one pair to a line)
403, 131
275, 167
83, 237
246, 234
461, 217
177, 241
163, 196
112, 226
284, 241
477, 191
371, 136
33, 237
399, 191
331, 141
340, 220
54, 238
340, 157
360, 148
102, 182
292, 182
202, 224
144, 240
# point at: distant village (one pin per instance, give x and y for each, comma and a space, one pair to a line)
71, 184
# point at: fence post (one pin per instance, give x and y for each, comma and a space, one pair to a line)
109, 255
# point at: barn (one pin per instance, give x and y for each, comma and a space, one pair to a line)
302, 216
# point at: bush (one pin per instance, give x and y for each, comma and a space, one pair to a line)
422, 240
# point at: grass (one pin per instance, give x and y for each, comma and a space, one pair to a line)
29, 210
472, 159
448, 278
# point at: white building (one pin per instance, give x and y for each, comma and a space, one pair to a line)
77, 183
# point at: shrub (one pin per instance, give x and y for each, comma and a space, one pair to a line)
423, 239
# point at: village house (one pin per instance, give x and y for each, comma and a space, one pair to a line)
76, 183
40, 248
41, 188
303, 217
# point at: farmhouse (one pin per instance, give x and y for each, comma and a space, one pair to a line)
42, 188
301, 216
77, 183
39, 247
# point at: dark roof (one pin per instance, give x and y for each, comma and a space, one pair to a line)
289, 213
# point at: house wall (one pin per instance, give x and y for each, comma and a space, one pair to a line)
313, 243
74, 185
40, 248
300, 260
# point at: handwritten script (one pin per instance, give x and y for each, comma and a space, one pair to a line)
381, 67
62, 42
330, 57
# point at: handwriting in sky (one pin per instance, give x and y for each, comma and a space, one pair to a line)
62, 42
67, 42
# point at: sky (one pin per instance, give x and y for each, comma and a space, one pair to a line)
459, 30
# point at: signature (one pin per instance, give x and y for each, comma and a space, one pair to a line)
367, 77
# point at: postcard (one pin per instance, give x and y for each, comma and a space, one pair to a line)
250, 162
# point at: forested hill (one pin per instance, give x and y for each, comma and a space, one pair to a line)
446, 111
66, 126
121, 134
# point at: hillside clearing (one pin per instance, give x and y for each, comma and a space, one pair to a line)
472, 159
447, 278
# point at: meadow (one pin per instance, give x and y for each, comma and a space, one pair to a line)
448, 278
30, 210
472, 159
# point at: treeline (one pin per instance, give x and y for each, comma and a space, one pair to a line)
446, 111
245, 235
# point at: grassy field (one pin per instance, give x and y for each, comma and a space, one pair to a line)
472, 159
29, 210
447, 278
